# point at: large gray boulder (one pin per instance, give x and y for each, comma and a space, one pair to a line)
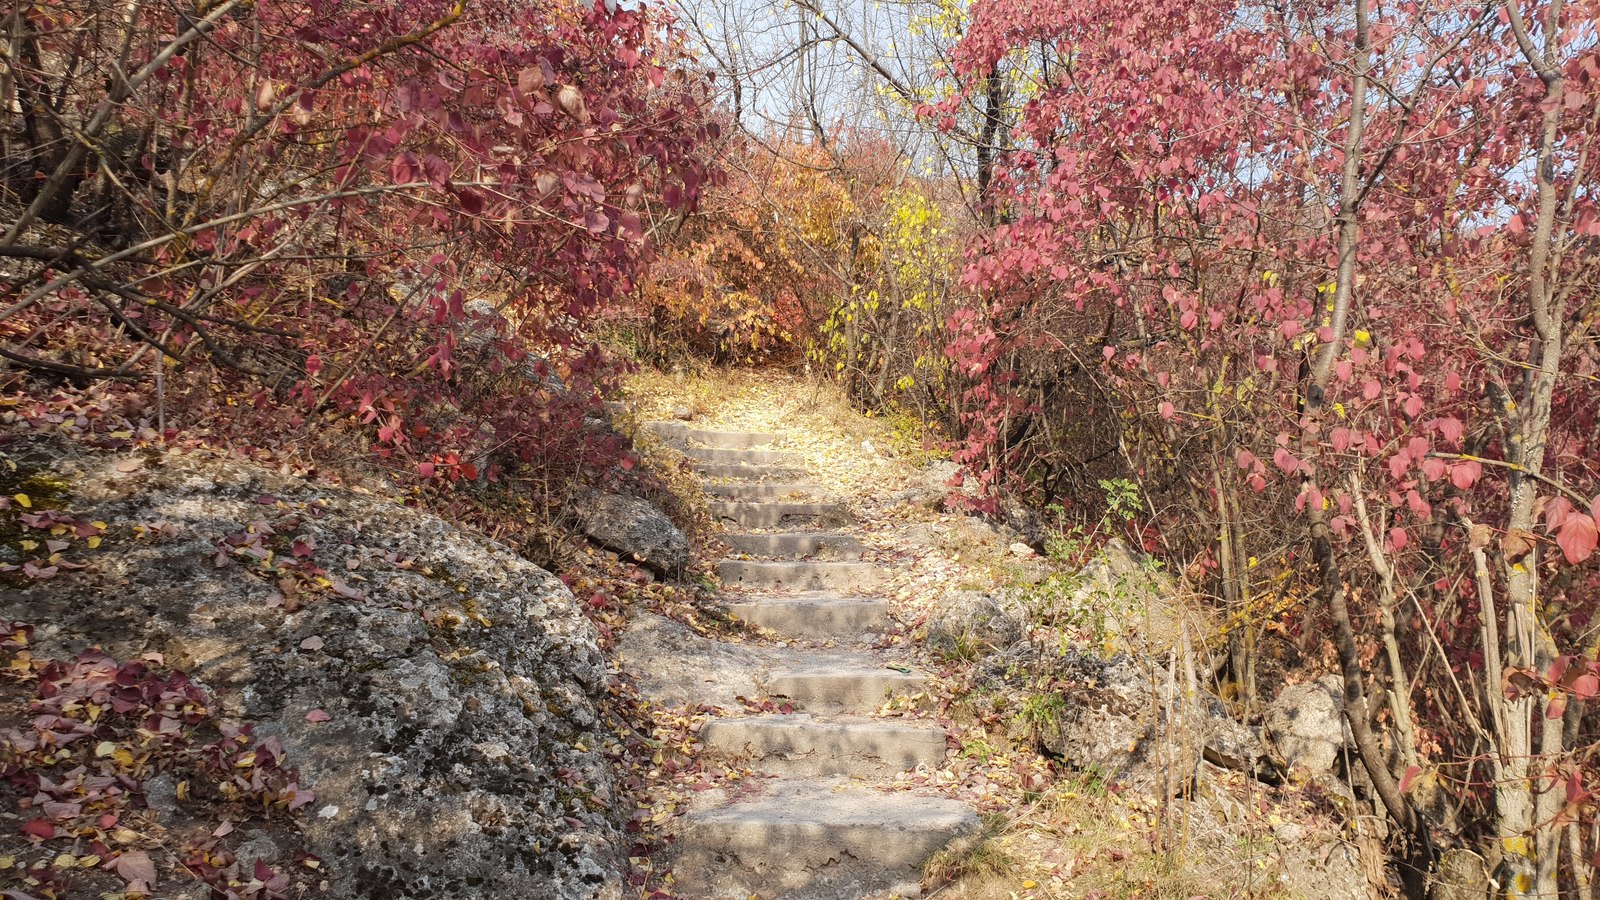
1125, 720
636, 529
436, 691
1306, 723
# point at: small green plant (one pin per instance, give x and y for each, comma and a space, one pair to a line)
1041, 710
960, 648
978, 749
1073, 544
1092, 781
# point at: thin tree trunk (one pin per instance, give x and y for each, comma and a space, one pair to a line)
1525, 813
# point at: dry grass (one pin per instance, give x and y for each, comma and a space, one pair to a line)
1079, 841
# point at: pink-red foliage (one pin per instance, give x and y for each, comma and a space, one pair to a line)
1174, 207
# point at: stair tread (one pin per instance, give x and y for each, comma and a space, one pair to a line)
711, 437
814, 840
815, 617
810, 802
736, 471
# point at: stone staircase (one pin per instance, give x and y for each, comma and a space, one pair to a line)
825, 825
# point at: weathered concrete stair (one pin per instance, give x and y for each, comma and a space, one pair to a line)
795, 544
775, 513
815, 618
722, 440
842, 683
785, 575
815, 841
820, 830
747, 471
802, 745
748, 457
760, 490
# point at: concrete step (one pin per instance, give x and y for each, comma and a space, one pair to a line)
673, 666
773, 514
722, 440
815, 841
816, 618
747, 472
783, 575
795, 543
761, 490
801, 745
748, 457
830, 684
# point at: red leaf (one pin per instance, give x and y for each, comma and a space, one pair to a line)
405, 169
1409, 778
1399, 464
1558, 667
1245, 459
1575, 792
1465, 474
1584, 687
1399, 538
471, 202
317, 715
136, 868
39, 828
1556, 512
1285, 460
1557, 707
1578, 537
1166, 409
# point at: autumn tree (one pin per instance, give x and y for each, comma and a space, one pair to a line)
1333, 265
384, 220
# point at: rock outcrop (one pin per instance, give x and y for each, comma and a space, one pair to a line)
1306, 723
1131, 721
635, 529
437, 691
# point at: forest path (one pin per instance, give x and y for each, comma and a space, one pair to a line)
830, 726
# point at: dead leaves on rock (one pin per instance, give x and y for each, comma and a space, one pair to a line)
89, 740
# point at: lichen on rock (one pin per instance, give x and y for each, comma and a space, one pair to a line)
437, 691
636, 529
